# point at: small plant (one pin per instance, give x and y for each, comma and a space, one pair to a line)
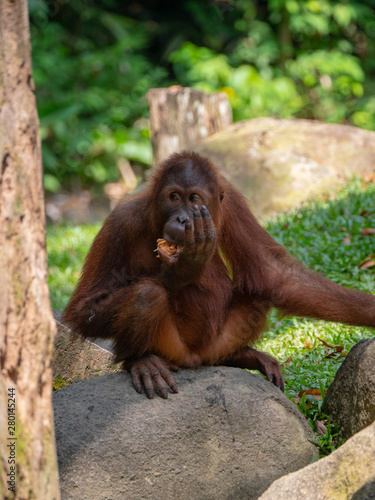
330, 441
59, 382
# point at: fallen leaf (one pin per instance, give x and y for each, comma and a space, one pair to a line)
307, 344
347, 240
368, 262
326, 343
367, 179
311, 392
337, 348
367, 231
363, 213
331, 355
287, 362
321, 429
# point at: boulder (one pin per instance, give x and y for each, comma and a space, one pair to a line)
278, 164
350, 399
227, 434
346, 474
77, 359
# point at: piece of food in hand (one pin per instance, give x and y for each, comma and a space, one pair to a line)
167, 247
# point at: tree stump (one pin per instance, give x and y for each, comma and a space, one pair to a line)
181, 117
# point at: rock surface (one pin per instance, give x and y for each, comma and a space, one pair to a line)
227, 434
346, 474
350, 399
77, 359
277, 164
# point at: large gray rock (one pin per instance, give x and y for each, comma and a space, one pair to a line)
227, 435
346, 474
277, 164
350, 399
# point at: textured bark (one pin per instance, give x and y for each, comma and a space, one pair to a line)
26, 324
181, 117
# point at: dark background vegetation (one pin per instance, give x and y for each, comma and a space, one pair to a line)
95, 60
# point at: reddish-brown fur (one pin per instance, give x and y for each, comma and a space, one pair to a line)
125, 292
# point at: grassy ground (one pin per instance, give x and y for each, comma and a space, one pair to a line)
66, 248
326, 237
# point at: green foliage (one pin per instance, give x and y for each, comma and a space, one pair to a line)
94, 62
324, 84
91, 92
250, 93
67, 248
333, 80
59, 382
331, 440
300, 60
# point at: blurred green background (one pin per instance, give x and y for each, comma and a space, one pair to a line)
93, 63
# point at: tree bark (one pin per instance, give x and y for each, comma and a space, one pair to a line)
285, 39
26, 325
181, 117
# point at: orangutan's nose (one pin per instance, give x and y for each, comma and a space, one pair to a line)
182, 219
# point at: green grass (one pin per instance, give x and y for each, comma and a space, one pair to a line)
313, 234
66, 249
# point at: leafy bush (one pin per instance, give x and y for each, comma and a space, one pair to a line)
323, 85
303, 61
90, 97
95, 61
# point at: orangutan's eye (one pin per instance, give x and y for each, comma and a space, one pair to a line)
174, 197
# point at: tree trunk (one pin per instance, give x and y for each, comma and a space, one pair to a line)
181, 117
285, 39
28, 465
